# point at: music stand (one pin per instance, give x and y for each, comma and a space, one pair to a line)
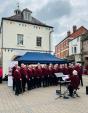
62, 82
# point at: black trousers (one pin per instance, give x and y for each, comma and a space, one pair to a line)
33, 82
18, 87
14, 85
45, 81
38, 82
81, 80
24, 80
70, 88
29, 84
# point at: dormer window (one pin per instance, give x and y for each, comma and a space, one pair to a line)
27, 14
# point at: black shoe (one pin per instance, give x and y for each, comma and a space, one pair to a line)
77, 95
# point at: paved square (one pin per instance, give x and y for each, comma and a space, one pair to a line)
42, 100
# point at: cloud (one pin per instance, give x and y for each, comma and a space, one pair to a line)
52, 13
3, 6
54, 9
61, 14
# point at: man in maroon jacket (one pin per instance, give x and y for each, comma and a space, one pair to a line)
34, 79
31, 73
13, 69
79, 69
56, 70
23, 71
51, 75
65, 70
17, 77
70, 69
45, 75
29, 77
39, 75
75, 81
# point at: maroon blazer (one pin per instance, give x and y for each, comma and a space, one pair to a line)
17, 75
65, 71
45, 71
70, 70
23, 72
75, 81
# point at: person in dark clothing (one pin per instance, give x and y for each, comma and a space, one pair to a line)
75, 81
23, 71
79, 69
17, 78
30, 74
70, 69
39, 75
65, 70
29, 78
45, 75
51, 75
13, 69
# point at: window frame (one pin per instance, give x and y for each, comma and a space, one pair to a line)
20, 39
38, 41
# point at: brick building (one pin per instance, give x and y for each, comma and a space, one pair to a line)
62, 48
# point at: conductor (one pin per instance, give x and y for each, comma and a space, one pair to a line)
75, 81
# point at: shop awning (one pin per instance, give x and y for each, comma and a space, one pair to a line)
43, 58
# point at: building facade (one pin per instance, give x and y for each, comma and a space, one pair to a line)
85, 49
75, 48
22, 33
62, 49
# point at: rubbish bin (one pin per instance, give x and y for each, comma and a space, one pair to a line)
87, 90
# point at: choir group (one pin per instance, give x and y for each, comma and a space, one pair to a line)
40, 75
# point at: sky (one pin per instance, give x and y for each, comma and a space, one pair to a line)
61, 14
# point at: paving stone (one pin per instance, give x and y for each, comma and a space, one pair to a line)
42, 100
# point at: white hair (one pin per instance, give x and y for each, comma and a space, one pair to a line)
75, 72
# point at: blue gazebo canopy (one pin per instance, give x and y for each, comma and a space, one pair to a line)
43, 58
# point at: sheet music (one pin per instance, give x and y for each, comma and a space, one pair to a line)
64, 77
59, 74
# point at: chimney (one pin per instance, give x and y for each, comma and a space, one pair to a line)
74, 28
68, 33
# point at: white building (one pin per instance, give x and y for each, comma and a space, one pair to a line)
75, 49
21, 33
